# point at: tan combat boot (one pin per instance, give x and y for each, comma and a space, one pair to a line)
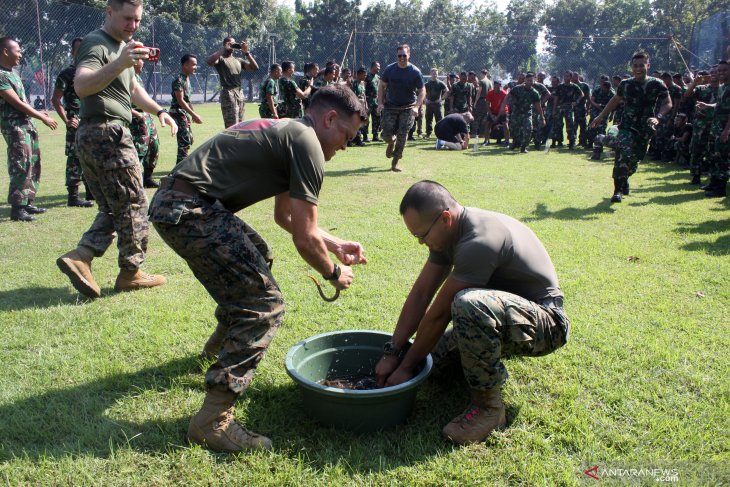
485, 414
76, 264
214, 427
131, 280
215, 341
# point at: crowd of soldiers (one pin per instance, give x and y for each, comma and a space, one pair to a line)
531, 109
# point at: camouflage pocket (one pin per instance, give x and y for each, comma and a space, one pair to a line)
167, 211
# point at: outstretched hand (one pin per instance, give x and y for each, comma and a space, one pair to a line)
351, 253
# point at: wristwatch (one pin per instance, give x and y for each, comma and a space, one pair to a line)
390, 349
335, 274
161, 112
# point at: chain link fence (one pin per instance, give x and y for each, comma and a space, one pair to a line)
45, 33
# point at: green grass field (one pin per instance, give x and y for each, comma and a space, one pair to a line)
100, 392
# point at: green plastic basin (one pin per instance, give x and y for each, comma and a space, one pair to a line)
343, 353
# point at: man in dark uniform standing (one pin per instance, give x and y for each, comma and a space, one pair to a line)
67, 105
400, 96
229, 69
372, 81
194, 213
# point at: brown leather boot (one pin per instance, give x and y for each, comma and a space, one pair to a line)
76, 264
214, 427
131, 280
213, 345
485, 414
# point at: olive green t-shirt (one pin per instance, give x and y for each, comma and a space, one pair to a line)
255, 160
495, 251
229, 71
115, 101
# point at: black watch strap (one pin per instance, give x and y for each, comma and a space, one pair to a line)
335, 274
161, 111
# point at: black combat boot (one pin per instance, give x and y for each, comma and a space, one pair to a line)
19, 214
596, 154
31, 209
710, 185
75, 200
719, 191
147, 180
617, 187
695, 179
89, 194
625, 188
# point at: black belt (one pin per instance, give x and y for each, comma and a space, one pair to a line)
182, 186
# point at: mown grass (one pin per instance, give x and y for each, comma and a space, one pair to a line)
100, 392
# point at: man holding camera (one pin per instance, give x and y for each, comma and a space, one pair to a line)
107, 88
229, 69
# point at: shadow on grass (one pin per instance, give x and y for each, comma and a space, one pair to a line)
360, 170
720, 246
74, 420
591, 213
39, 297
77, 421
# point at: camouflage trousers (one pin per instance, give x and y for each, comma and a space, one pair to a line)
520, 127
481, 115
720, 158
24, 162
579, 119
232, 262
397, 122
232, 106
112, 172
433, 116
663, 145
600, 130
146, 141
699, 147
490, 325
564, 118
374, 121
630, 150
184, 135
265, 111
74, 174
417, 126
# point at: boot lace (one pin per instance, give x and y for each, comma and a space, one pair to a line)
236, 432
471, 412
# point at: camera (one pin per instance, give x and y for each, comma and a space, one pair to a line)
236, 45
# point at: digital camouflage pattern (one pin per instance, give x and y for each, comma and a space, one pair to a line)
112, 172
72, 105
580, 112
666, 127
21, 137
233, 263
634, 130
303, 84
232, 106
537, 128
567, 95
521, 101
290, 102
182, 118
701, 126
146, 140
398, 123
489, 325
268, 87
720, 158
602, 98
372, 81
